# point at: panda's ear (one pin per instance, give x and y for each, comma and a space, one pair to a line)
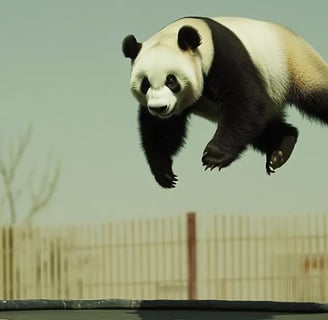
131, 47
188, 38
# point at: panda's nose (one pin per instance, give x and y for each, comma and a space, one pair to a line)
158, 109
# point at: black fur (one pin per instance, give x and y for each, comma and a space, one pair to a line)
162, 139
145, 85
131, 47
188, 38
236, 87
313, 104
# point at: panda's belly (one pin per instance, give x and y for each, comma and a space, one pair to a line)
207, 109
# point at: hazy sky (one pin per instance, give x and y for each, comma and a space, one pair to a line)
62, 70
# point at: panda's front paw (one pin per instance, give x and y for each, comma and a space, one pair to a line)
167, 180
162, 170
214, 156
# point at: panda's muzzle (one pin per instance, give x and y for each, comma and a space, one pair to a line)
158, 110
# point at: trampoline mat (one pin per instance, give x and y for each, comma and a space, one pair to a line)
159, 310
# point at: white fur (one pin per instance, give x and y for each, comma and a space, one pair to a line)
159, 97
266, 48
308, 70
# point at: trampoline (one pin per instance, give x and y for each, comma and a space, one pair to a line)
159, 310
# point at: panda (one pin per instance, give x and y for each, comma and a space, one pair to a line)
239, 73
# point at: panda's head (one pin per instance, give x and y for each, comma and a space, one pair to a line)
166, 75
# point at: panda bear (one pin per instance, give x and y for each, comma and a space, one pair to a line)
237, 72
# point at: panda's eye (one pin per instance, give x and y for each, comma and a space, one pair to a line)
172, 83
171, 80
145, 85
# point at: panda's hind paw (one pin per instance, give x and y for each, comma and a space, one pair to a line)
279, 157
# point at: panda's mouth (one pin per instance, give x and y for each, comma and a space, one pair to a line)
163, 112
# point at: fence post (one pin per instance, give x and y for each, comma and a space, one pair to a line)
8, 265
192, 257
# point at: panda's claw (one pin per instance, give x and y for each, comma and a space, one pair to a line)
211, 166
168, 180
214, 156
269, 168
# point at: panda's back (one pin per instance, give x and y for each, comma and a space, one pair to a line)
283, 58
266, 48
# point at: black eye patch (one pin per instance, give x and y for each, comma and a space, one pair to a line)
145, 85
172, 83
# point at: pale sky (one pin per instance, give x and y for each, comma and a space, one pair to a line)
62, 70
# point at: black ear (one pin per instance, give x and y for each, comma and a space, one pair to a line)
188, 38
131, 47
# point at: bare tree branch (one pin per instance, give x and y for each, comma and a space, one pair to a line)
8, 172
46, 190
9, 192
17, 154
2, 204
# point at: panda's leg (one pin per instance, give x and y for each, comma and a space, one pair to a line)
241, 120
276, 141
161, 139
314, 104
